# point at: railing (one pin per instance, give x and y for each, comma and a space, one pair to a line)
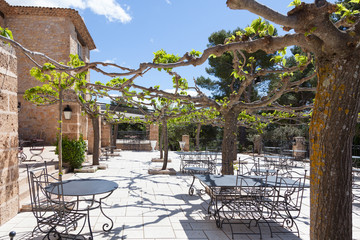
138, 135
205, 144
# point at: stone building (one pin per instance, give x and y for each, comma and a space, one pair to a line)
56, 32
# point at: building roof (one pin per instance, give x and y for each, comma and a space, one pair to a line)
77, 20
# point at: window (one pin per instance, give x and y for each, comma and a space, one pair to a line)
80, 51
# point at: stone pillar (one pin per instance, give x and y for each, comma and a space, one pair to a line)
257, 144
71, 127
186, 139
9, 166
299, 145
154, 134
105, 136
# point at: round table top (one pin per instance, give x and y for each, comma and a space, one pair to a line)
84, 187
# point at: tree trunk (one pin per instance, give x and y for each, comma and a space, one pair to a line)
60, 131
331, 133
198, 130
161, 143
166, 147
96, 146
229, 153
114, 136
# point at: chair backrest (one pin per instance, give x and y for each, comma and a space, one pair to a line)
41, 186
291, 190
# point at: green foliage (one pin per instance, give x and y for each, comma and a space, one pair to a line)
48, 93
343, 11
301, 59
221, 67
283, 134
73, 151
295, 3
297, 98
277, 59
194, 53
6, 33
252, 121
162, 56
258, 28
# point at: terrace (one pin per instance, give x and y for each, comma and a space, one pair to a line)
155, 206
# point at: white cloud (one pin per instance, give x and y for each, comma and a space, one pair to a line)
111, 9
168, 2
110, 60
95, 50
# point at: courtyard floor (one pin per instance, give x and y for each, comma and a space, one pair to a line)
157, 206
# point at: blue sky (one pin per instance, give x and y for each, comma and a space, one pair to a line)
127, 32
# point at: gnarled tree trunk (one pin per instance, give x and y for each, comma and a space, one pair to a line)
161, 140
335, 111
166, 147
113, 135
229, 151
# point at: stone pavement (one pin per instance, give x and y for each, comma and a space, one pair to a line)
156, 206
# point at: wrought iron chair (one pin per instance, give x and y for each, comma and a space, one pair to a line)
242, 206
201, 164
355, 178
55, 217
284, 204
37, 148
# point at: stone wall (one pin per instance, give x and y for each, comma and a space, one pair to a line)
9, 168
53, 37
30, 31
154, 134
2, 21
105, 134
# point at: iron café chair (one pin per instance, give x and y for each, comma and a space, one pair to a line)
54, 216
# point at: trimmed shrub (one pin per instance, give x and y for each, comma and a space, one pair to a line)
73, 151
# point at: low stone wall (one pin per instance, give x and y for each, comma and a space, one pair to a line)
9, 167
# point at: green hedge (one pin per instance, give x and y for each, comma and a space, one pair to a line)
73, 151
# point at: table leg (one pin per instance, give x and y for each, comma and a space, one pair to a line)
106, 227
91, 233
191, 188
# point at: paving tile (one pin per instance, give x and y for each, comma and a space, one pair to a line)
159, 232
157, 221
133, 234
190, 234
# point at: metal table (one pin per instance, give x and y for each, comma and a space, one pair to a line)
89, 194
219, 199
212, 180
